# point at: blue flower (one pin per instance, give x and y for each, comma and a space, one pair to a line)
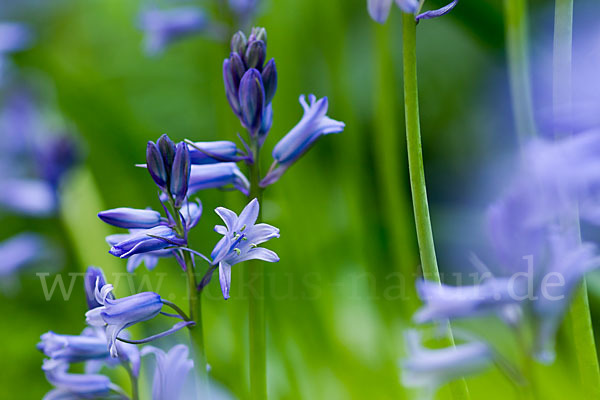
380, 9
314, 124
118, 314
163, 27
146, 241
437, 13
20, 251
13, 37
446, 302
213, 152
241, 237
76, 386
28, 196
217, 176
150, 259
90, 345
432, 368
171, 371
131, 218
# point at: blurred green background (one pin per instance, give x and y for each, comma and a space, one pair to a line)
342, 294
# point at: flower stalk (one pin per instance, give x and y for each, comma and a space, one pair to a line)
256, 299
579, 314
518, 64
417, 174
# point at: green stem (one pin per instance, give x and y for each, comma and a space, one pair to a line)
518, 64
256, 302
135, 394
429, 265
579, 314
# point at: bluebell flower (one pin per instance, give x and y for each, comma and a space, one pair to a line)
150, 259
146, 241
93, 277
131, 218
33, 197
163, 27
213, 152
437, 13
314, 124
444, 302
20, 251
380, 9
217, 176
243, 8
91, 344
241, 237
171, 371
76, 386
118, 314
428, 368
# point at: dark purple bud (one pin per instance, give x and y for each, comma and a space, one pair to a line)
233, 71
269, 77
167, 150
252, 100
239, 43
258, 33
265, 126
156, 165
255, 54
180, 173
89, 281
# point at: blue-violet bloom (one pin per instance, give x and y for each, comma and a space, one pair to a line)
131, 218
171, 371
241, 236
145, 241
163, 27
217, 176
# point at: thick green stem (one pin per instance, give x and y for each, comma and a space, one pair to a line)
429, 265
579, 313
518, 64
256, 302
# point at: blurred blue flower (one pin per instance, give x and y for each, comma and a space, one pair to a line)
76, 386
20, 251
241, 237
171, 371
118, 314
380, 9
314, 124
444, 302
32, 197
428, 368
217, 176
163, 27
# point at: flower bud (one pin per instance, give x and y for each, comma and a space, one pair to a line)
167, 150
258, 33
93, 275
233, 71
130, 218
255, 54
239, 43
156, 165
180, 173
269, 77
252, 100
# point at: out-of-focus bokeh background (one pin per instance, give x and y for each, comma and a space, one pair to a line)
342, 293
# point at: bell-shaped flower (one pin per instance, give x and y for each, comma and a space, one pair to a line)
131, 218
163, 27
118, 314
444, 302
76, 386
150, 259
180, 174
429, 368
90, 345
148, 240
314, 124
241, 237
213, 152
217, 176
380, 9
171, 371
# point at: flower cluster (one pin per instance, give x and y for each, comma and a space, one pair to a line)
534, 234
